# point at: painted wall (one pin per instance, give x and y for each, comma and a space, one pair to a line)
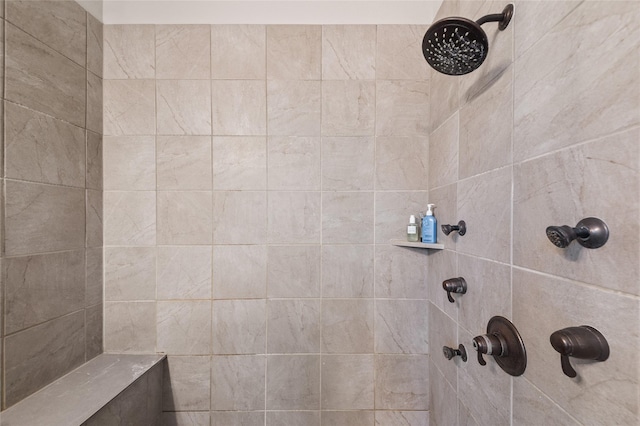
545, 133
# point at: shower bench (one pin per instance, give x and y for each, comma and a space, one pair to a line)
110, 389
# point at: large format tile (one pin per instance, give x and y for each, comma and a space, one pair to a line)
239, 163
347, 382
187, 418
239, 272
239, 327
95, 101
444, 153
402, 108
129, 51
184, 217
294, 52
94, 330
293, 326
184, 272
402, 418
347, 217
294, 108
239, 107
444, 401
43, 218
530, 406
184, 107
402, 326
348, 108
95, 45
294, 217
398, 54
237, 418
238, 52
400, 272
348, 326
293, 382
238, 382
347, 271
130, 327
184, 327
347, 418
94, 276
130, 273
348, 52
446, 211
442, 265
187, 383
129, 107
129, 163
183, 51
43, 149
443, 332
293, 271
293, 163
183, 162
130, 218
94, 166
402, 382
42, 79
393, 210
402, 163
348, 163
40, 288
239, 217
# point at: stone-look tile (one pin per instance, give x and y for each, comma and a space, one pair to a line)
347, 382
402, 163
95, 44
94, 160
43, 149
94, 321
443, 399
129, 107
293, 163
129, 51
40, 288
237, 382
239, 272
347, 326
293, 271
130, 218
402, 418
392, 213
94, 276
184, 107
347, 418
183, 52
94, 218
43, 218
41, 354
596, 179
443, 331
184, 327
129, 163
184, 272
446, 199
183, 162
239, 217
485, 140
237, 418
348, 108
443, 97
186, 418
486, 389
484, 203
187, 383
444, 153
239, 326
348, 52
530, 406
184, 217
61, 25
400, 272
442, 265
293, 326
294, 108
541, 306
95, 100
488, 292
238, 52
293, 418
294, 52
402, 382
347, 217
348, 163
293, 382
464, 416
239, 163
563, 71
130, 327
402, 108
402, 326
347, 271
129, 273
398, 53
293, 217
42, 79
239, 107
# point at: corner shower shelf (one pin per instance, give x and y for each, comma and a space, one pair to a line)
404, 243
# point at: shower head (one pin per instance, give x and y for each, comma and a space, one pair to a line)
457, 46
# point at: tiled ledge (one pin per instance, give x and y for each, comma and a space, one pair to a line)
74, 398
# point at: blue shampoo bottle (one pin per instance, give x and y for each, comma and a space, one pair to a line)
429, 226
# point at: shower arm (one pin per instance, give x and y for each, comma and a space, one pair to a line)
503, 18
494, 17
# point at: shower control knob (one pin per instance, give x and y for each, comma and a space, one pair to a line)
454, 285
581, 342
590, 232
460, 228
449, 353
489, 344
504, 343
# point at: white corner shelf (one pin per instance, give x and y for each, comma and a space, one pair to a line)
404, 243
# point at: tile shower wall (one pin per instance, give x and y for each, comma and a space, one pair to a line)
545, 133
253, 178
52, 187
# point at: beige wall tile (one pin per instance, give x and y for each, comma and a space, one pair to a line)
293, 163
129, 273
402, 163
239, 326
348, 108
129, 51
400, 272
184, 272
184, 217
292, 418
94, 169
532, 406
348, 52
94, 320
443, 402
398, 54
294, 108
237, 418
183, 162
238, 51
443, 331
183, 51
95, 45
347, 382
348, 163
402, 326
347, 271
444, 153
238, 382
129, 107
239, 217
347, 326
184, 107
443, 97
129, 163
392, 213
130, 218
293, 326
94, 276
188, 418
239, 163
293, 217
293, 271
239, 107
184, 327
402, 382
347, 418
94, 222
186, 383
446, 200
347, 217
294, 52
95, 100
43, 218
402, 108
293, 382
402, 418
239, 272
443, 265
130, 327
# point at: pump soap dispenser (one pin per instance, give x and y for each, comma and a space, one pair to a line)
429, 226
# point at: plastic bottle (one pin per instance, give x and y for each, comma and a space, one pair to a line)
412, 230
429, 226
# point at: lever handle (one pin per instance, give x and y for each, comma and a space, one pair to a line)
454, 285
490, 344
583, 342
461, 228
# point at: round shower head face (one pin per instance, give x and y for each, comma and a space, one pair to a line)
455, 46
